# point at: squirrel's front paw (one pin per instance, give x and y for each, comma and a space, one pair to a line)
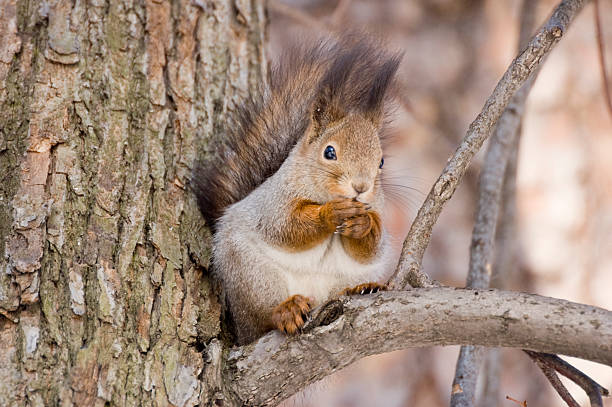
366, 288
356, 227
335, 213
290, 315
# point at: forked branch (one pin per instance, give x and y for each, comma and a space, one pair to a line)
490, 190
550, 364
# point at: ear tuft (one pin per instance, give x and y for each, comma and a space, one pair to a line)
381, 82
329, 104
356, 79
325, 110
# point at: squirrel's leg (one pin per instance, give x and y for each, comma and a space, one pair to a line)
362, 289
308, 225
303, 230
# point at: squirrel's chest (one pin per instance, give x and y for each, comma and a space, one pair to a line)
328, 257
319, 271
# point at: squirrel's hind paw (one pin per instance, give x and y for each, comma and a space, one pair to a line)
366, 288
290, 315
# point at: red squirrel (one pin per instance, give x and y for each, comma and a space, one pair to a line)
293, 192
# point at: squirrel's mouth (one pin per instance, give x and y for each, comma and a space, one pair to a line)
363, 197
355, 197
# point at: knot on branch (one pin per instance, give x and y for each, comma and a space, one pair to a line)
556, 32
324, 314
445, 186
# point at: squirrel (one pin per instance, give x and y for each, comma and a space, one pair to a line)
293, 192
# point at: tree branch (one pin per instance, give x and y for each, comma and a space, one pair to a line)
463, 393
505, 261
408, 269
275, 367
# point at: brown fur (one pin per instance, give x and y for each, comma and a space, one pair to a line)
360, 237
304, 229
290, 315
311, 223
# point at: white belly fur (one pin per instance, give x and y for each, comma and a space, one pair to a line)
325, 268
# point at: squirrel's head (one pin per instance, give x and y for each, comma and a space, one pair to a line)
346, 158
343, 140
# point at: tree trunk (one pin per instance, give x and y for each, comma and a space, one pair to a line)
104, 295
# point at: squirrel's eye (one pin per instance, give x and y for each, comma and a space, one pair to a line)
382, 162
329, 153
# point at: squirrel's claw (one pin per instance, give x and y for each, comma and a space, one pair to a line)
290, 315
366, 288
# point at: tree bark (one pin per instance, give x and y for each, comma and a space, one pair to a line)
104, 296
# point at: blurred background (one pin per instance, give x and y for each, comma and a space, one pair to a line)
455, 51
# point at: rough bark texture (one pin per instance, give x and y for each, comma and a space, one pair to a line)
105, 105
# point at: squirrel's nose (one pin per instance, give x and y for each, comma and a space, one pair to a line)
360, 187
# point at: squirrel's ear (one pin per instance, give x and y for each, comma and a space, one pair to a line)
325, 110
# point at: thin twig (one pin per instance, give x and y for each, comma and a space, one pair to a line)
593, 389
552, 377
602, 58
520, 403
466, 375
408, 270
506, 261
